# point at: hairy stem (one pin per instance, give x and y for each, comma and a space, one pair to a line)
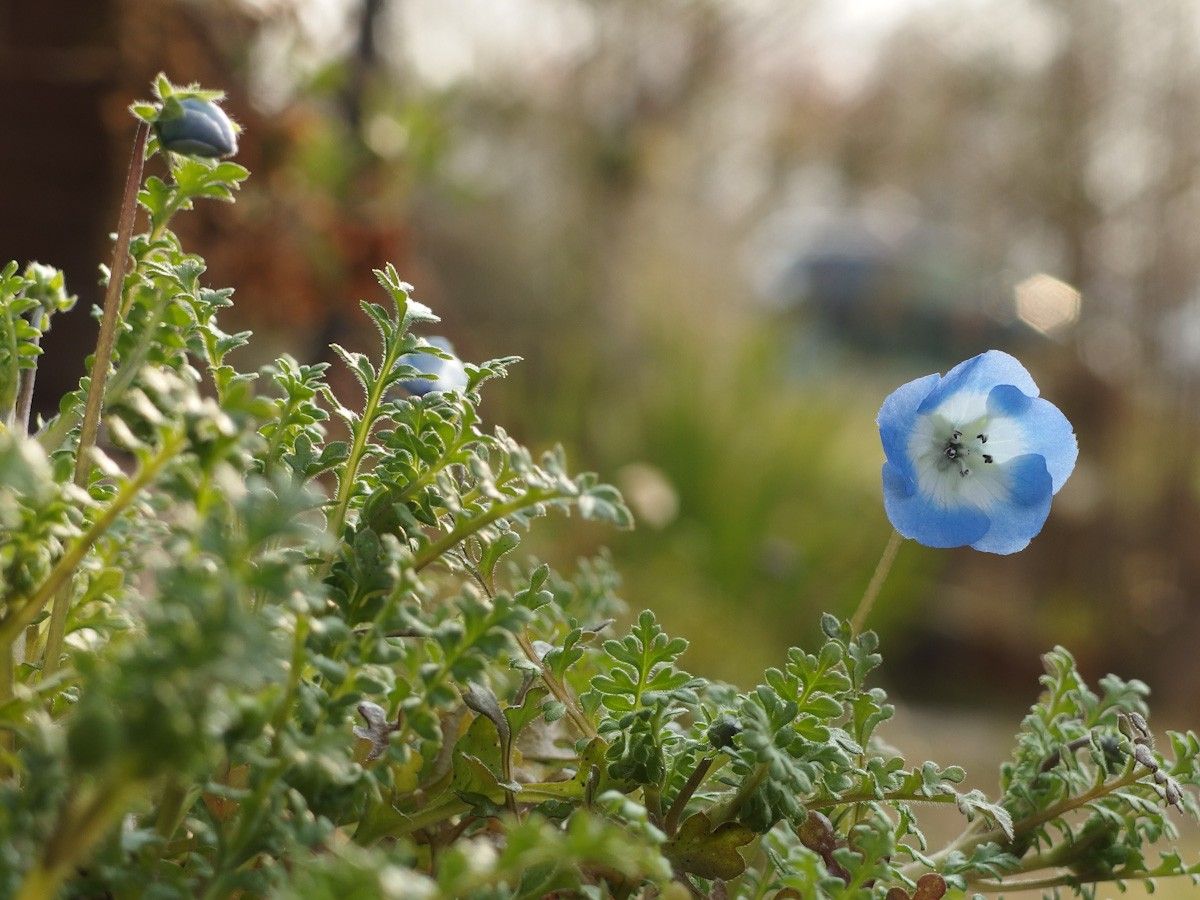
8, 666
1067, 879
60, 575
112, 303
25, 390
560, 691
358, 446
675, 813
468, 527
79, 829
973, 837
866, 797
859, 619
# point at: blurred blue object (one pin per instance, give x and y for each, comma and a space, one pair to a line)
448, 374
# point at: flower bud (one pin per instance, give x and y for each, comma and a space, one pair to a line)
195, 127
722, 732
1144, 756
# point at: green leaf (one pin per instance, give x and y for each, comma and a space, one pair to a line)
708, 852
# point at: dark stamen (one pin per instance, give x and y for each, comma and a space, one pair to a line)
987, 457
957, 435
965, 472
951, 452
982, 438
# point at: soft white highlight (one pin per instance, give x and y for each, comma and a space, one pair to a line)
941, 478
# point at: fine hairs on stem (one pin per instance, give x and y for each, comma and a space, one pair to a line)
100, 364
859, 619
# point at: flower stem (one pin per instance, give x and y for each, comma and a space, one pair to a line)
7, 684
561, 692
469, 526
78, 831
675, 813
872, 592
359, 445
60, 575
112, 304
25, 391
975, 836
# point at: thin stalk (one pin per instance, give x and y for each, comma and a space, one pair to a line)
101, 360
25, 390
470, 526
112, 303
865, 797
453, 806
560, 691
74, 838
972, 837
859, 619
358, 447
61, 574
724, 812
1037, 884
7, 682
675, 813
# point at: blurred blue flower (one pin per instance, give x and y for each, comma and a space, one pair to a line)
973, 457
448, 374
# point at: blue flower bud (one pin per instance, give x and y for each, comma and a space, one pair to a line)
449, 374
197, 128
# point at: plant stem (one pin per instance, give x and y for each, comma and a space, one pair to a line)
470, 526
1035, 884
574, 713
358, 446
7, 680
872, 592
112, 303
972, 838
25, 390
675, 813
847, 799
61, 574
101, 360
75, 835
726, 811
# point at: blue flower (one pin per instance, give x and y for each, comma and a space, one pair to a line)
196, 127
448, 374
973, 457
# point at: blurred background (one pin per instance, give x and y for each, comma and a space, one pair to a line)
720, 232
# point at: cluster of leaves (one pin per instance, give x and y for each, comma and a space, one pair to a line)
302, 658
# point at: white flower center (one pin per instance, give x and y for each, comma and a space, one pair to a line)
958, 452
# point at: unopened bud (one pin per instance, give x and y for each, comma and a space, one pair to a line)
722, 732
1173, 794
1144, 755
195, 127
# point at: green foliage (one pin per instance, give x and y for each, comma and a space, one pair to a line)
305, 658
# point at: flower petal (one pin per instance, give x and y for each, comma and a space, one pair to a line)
917, 516
897, 417
1016, 522
1046, 430
978, 375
